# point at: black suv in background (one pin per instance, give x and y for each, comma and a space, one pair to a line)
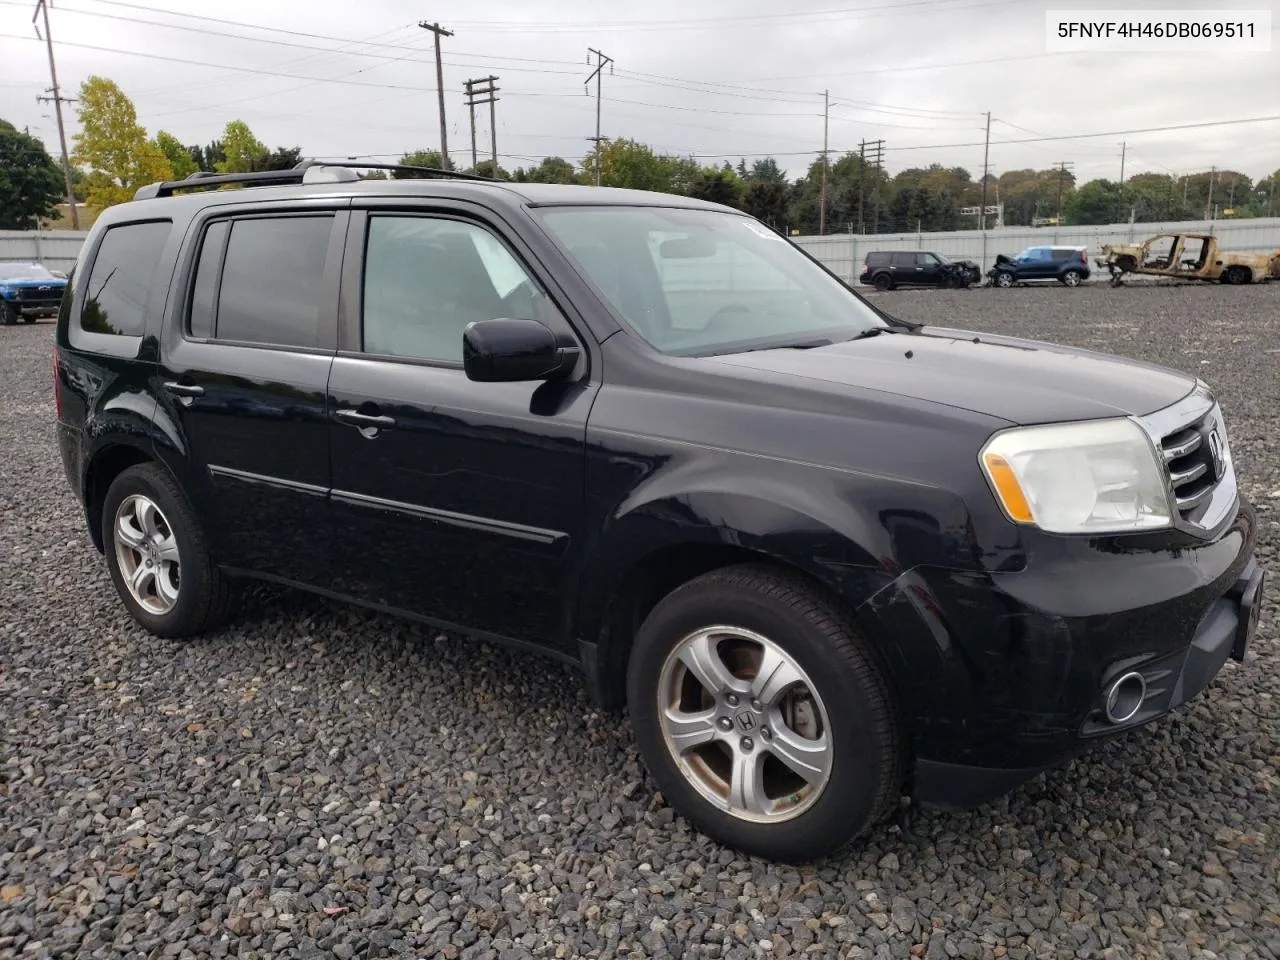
823, 555
1068, 265
886, 269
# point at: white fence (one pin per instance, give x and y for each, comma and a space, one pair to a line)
56, 249
844, 253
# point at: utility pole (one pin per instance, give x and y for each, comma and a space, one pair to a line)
440, 31
596, 74
822, 202
480, 92
986, 170
1062, 175
1121, 190
1208, 204
58, 100
1271, 194
872, 152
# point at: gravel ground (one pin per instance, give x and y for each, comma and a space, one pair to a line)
320, 781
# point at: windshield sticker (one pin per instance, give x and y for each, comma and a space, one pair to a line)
761, 230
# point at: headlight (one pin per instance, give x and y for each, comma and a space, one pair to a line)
1099, 476
5, 292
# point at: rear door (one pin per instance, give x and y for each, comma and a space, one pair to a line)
457, 501
243, 376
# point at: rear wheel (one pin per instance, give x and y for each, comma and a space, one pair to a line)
158, 557
764, 716
883, 282
1072, 278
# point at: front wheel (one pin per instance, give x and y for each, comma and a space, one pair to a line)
1004, 280
763, 714
8, 316
158, 557
1236, 275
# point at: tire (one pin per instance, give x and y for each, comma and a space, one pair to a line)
8, 316
859, 779
186, 593
1004, 279
1072, 278
31, 319
883, 282
1236, 275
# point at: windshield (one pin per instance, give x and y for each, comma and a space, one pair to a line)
24, 271
699, 282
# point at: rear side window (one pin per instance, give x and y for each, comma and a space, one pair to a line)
269, 287
877, 259
904, 259
1060, 255
119, 284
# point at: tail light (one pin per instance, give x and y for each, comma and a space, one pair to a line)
57, 385
1084, 256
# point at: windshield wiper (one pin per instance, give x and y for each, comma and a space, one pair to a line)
872, 332
795, 345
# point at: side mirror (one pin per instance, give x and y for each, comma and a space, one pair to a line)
509, 350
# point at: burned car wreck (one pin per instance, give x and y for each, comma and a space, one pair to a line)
1189, 256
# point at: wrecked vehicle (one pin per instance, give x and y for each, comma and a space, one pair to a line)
1191, 256
1067, 265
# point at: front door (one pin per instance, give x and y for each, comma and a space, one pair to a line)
458, 501
243, 382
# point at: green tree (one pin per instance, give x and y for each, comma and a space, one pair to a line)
114, 146
631, 165
719, 186
243, 152
418, 158
485, 169
766, 169
550, 170
179, 157
767, 200
30, 182
281, 158
1097, 201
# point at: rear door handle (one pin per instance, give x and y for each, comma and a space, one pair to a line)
365, 420
184, 389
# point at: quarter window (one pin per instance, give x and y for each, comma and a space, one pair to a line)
426, 278
121, 278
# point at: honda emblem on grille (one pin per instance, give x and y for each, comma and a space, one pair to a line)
1218, 452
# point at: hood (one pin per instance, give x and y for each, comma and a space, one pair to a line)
1021, 381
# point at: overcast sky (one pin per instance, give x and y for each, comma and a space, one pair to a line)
713, 79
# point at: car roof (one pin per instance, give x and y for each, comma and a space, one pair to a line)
486, 192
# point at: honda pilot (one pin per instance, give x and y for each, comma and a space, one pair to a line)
825, 557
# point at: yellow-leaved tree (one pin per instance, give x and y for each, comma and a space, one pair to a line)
114, 146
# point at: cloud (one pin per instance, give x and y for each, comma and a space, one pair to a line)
717, 82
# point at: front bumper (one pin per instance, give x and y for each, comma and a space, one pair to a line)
1226, 631
1004, 674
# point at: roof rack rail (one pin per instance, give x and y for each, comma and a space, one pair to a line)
307, 171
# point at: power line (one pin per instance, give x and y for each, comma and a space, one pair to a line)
701, 23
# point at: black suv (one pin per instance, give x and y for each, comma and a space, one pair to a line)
1068, 265
886, 269
821, 554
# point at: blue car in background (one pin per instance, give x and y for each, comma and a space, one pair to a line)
28, 291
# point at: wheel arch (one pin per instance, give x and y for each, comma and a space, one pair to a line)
110, 459
644, 558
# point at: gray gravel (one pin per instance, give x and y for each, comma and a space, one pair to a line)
317, 781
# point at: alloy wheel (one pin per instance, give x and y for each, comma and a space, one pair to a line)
147, 554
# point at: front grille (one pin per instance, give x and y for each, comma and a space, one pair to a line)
34, 296
1194, 470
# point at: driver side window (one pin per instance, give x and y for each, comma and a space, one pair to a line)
426, 278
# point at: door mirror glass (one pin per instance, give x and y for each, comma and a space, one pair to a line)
507, 350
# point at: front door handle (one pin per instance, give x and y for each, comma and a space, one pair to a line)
184, 389
365, 420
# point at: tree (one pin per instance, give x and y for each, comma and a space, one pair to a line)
179, 157
30, 182
626, 163
767, 200
114, 146
243, 152
550, 170
767, 170
719, 186
281, 158
485, 169
418, 158
1097, 201
208, 158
